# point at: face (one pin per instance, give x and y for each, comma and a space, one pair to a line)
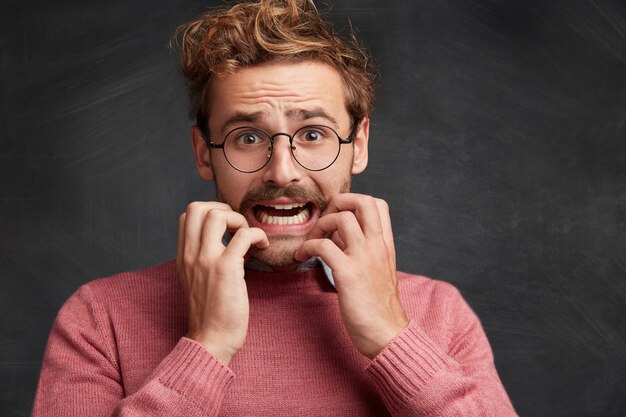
283, 198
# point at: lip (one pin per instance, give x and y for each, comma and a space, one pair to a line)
283, 229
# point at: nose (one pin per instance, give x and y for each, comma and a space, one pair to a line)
282, 169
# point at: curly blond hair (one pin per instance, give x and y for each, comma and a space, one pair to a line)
244, 34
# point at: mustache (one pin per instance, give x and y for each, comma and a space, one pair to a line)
271, 192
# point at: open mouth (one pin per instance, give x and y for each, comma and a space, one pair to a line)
283, 214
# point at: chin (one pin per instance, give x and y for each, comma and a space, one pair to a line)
280, 252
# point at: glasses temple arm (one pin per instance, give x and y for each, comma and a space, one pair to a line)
352, 132
209, 143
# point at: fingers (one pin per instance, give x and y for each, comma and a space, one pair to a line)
243, 239
371, 216
216, 223
193, 224
202, 226
337, 241
212, 275
343, 224
354, 222
364, 207
354, 238
325, 249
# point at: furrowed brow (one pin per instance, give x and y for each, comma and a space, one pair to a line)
316, 112
241, 117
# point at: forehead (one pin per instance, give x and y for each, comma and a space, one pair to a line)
280, 89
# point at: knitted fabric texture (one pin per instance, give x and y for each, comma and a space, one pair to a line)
117, 348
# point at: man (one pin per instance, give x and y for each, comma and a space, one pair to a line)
284, 298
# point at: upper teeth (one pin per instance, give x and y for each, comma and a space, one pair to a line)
286, 206
303, 214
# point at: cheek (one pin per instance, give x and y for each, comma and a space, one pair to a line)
231, 188
334, 180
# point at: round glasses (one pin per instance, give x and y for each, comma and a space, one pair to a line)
314, 147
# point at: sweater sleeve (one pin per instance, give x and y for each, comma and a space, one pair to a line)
417, 377
80, 374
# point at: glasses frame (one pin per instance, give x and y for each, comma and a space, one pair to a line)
347, 140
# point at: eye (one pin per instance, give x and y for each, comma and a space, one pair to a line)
249, 138
312, 135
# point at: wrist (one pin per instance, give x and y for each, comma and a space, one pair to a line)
220, 351
384, 338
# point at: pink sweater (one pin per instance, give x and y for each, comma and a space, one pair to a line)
118, 348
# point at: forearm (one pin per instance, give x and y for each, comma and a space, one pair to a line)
415, 377
188, 382
82, 373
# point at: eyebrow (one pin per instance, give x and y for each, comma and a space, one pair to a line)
298, 114
242, 117
304, 114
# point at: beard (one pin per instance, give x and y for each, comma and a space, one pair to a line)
282, 248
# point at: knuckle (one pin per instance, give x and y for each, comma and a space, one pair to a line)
215, 214
223, 206
327, 244
243, 233
382, 204
188, 259
193, 206
236, 216
347, 216
370, 201
204, 262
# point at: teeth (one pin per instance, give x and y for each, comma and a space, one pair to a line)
286, 206
282, 220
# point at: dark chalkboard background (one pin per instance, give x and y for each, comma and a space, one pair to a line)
498, 140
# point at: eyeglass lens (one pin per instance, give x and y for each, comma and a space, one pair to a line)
248, 149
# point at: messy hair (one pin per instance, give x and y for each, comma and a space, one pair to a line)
228, 38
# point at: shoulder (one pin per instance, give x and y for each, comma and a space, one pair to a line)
154, 279
424, 290
126, 293
110, 316
437, 306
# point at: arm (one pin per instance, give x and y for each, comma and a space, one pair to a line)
81, 377
81, 374
414, 376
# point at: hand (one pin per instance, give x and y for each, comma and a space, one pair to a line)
211, 275
361, 254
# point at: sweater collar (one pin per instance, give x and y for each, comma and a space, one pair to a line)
316, 263
312, 263
307, 280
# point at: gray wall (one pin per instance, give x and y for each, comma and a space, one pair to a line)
498, 140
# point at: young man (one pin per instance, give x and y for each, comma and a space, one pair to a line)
284, 298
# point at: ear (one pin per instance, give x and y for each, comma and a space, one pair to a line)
202, 154
360, 141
